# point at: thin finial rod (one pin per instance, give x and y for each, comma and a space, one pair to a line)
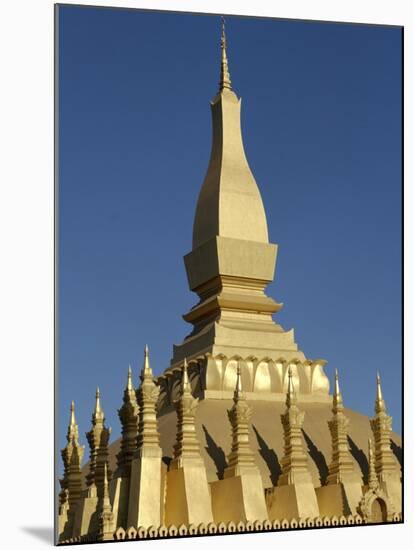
72, 414
225, 80
97, 401
129, 379
185, 381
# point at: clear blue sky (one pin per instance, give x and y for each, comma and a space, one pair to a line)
321, 117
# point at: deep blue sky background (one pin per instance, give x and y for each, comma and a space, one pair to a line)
321, 116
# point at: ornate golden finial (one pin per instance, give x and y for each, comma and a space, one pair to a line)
379, 402
98, 401
72, 414
241, 455
128, 415
291, 398
129, 379
225, 81
106, 517
238, 392
72, 455
185, 383
72, 435
146, 369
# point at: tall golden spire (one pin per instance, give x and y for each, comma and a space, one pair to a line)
241, 455
379, 402
128, 415
338, 404
72, 455
147, 397
187, 445
98, 439
146, 369
129, 386
341, 468
225, 81
381, 425
291, 398
98, 413
106, 516
73, 431
295, 461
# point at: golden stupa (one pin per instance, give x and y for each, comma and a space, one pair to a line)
240, 432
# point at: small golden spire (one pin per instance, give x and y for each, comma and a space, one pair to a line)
225, 81
98, 401
379, 402
146, 370
185, 384
106, 484
72, 414
129, 380
291, 394
337, 396
238, 391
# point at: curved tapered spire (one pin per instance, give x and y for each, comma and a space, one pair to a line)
225, 80
379, 401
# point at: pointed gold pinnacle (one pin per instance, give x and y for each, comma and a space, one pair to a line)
238, 391
129, 380
98, 401
379, 402
225, 81
146, 371
291, 395
185, 387
72, 414
337, 396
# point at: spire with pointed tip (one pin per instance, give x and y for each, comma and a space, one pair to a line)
98, 413
73, 431
146, 369
72, 454
225, 81
129, 385
98, 438
186, 446
381, 425
185, 383
241, 457
342, 466
291, 398
294, 463
238, 391
128, 415
379, 402
106, 516
337, 395
147, 398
